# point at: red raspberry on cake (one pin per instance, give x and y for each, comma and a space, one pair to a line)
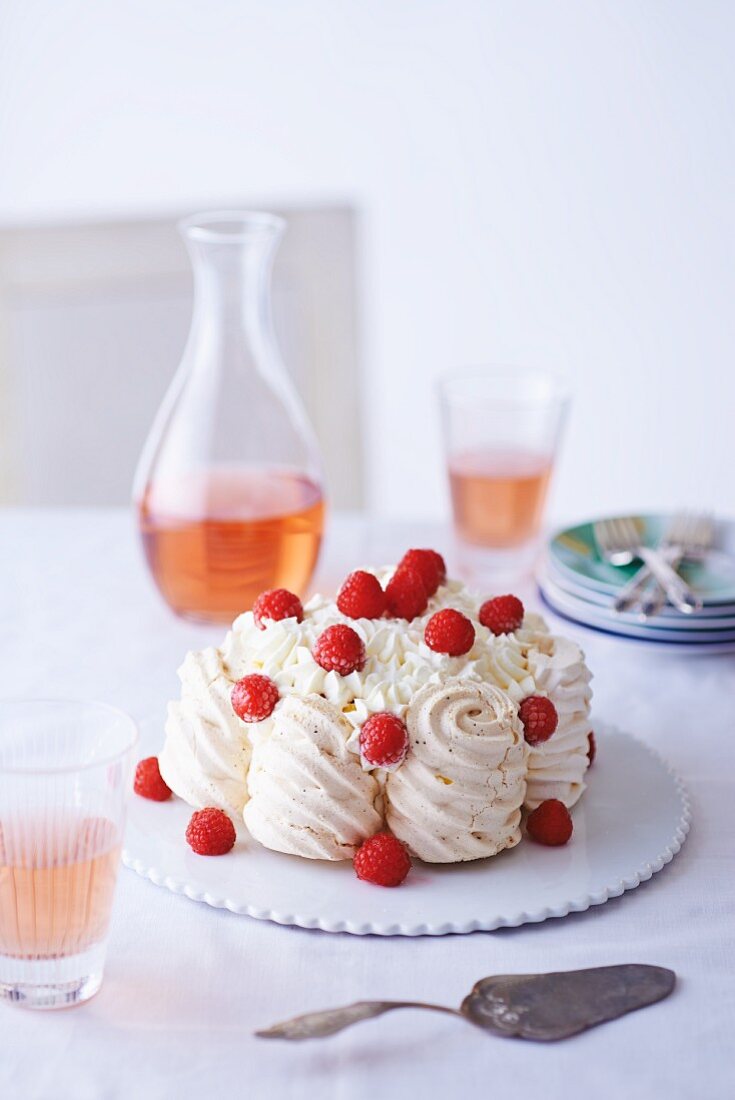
429, 565
361, 596
339, 649
591, 748
210, 832
383, 740
149, 783
406, 594
277, 604
449, 632
382, 860
502, 614
254, 697
550, 823
539, 718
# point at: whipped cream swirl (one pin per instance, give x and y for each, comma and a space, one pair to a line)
206, 754
309, 795
458, 794
398, 660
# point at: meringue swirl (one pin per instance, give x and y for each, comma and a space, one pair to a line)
458, 794
206, 754
309, 796
556, 767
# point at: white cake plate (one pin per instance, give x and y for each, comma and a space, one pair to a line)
632, 820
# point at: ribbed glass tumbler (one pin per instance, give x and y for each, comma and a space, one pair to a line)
65, 776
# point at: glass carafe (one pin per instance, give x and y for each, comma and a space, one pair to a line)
229, 488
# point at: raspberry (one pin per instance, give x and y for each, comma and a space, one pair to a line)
550, 823
339, 649
383, 740
149, 782
450, 632
429, 565
539, 718
254, 697
405, 594
382, 860
592, 748
502, 614
210, 832
361, 596
277, 604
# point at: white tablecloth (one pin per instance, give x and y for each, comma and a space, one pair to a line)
186, 985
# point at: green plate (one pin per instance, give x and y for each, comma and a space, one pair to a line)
573, 552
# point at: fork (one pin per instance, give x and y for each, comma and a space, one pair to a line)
620, 543
688, 538
689, 535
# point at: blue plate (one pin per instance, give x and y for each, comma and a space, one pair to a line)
661, 642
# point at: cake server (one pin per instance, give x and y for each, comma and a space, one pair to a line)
539, 1007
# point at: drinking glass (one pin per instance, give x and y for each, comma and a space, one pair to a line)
65, 777
502, 427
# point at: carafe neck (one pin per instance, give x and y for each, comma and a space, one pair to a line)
232, 256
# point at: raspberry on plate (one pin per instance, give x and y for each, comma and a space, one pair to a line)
449, 632
592, 748
339, 649
429, 565
406, 594
254, 697
382, 860
539, 718
550, 823
502, 614
210, 832
149, 782
383, 740
361, 596
277, 604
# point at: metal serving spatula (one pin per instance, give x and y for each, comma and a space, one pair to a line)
541, 1007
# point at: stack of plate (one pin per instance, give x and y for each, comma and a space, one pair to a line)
578, 585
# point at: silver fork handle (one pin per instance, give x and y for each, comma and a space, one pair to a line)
630, 593
653, 599
642, 593
637, 588
678, 591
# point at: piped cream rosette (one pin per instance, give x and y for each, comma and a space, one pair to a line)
309, 796
458, 794
398, 661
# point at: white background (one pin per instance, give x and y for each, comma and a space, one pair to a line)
538, 182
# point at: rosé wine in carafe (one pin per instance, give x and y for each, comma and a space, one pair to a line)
231, 537
229, 489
